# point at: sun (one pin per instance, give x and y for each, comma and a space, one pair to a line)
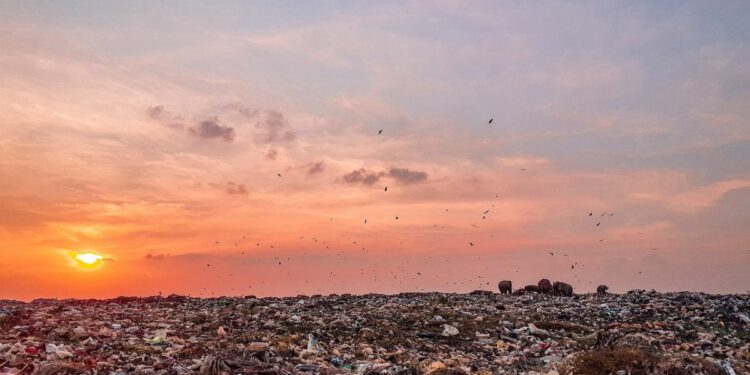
87, 260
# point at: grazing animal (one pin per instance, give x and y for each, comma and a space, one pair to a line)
531, 288
505, 286
602, 289
545, 286
562, 289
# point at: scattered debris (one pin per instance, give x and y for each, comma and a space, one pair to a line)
640, 332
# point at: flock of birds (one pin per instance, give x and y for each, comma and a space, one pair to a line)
405, 273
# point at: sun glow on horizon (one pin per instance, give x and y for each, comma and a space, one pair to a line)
88, 259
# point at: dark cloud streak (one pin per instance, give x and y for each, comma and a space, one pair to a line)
316, 168
407, 176
212, 129
404, 176
362, 176
236, 189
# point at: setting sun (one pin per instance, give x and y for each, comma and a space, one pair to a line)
88, 259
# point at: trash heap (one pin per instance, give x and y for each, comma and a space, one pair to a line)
410, 333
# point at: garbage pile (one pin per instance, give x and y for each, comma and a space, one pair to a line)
407, 334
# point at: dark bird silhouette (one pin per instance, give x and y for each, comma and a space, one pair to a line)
278, 174
396, 217
572, 266
490, 120
591, 213
551, 253
365, 221
380, 131
471, 244
597, 224
386, 188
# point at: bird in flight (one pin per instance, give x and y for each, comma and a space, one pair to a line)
597, 224
278, 174
471, 244
365, 221
490, 121
386, 188
380, 131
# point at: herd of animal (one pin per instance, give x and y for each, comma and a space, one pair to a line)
544, 286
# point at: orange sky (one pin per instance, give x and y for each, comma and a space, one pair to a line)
155, 137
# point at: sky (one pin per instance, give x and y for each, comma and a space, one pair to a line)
235, 148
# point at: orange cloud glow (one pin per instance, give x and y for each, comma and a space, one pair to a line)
205, 157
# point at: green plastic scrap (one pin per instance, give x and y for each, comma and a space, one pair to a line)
158, 340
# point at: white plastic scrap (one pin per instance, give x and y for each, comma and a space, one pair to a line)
727, 368
449, 330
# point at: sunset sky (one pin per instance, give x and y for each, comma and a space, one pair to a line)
232, 148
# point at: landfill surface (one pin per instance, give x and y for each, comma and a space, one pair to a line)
640, 332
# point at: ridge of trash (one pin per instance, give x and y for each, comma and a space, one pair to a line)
639, 332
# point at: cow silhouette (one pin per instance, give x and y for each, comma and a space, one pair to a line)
545, 286
505, 286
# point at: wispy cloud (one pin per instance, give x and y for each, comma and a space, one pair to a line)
272, 154
274, 129
231, 188
316, 168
